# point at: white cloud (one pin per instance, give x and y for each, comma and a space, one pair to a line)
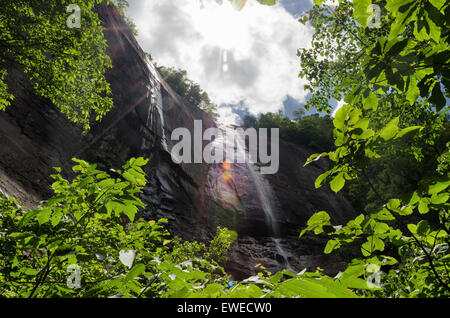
259, 44
227, 116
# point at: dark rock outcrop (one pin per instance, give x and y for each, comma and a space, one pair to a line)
35, 137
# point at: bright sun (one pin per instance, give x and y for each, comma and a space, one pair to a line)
221, 25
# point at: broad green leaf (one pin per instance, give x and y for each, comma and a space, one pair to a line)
412, 228
407, 131
316, 222
140, 162
28, 216
320, 179
56, 217
371, 102
423, 206
314, 288
29, 271
319, 218
438, 186
363, 123
413, 91
390, 130
130, 211
384, 215
338, 182
440, 198
405, 210
381, 228
362, 11
367, 134
331, 246
44, 216
213, 290
137, 270
341, 116
372, 244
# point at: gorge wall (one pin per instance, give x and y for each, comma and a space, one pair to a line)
267, 211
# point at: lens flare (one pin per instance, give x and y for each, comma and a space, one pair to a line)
226, 165
227, 173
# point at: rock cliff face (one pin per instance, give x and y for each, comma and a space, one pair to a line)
267, 211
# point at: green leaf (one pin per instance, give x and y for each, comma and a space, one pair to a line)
140, 162
361, 11
338, 182
363, 123
413, 91
213, 290
438, 186
319, 218
384, 215
320, 179
408, 131
439, 198
341, 116
371, 102
380, 228
137, 270
423, 206
412, 228
390, 130
314, 288
130, 211
372, 244
44, 216
315, 157
405, 210
28, 216
393, 204
56, 217
317, 221
331, 246
366, 134
29, 271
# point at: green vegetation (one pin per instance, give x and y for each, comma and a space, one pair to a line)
65, 65
91, 225
394, 80
312, 131
190, 91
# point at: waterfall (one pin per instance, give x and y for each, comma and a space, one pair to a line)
283, 253
156, 102
234, 146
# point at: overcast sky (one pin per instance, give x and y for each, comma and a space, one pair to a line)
246, 60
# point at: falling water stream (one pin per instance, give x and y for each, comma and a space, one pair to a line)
156, 103
263, 189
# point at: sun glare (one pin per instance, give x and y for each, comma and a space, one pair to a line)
221, 25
